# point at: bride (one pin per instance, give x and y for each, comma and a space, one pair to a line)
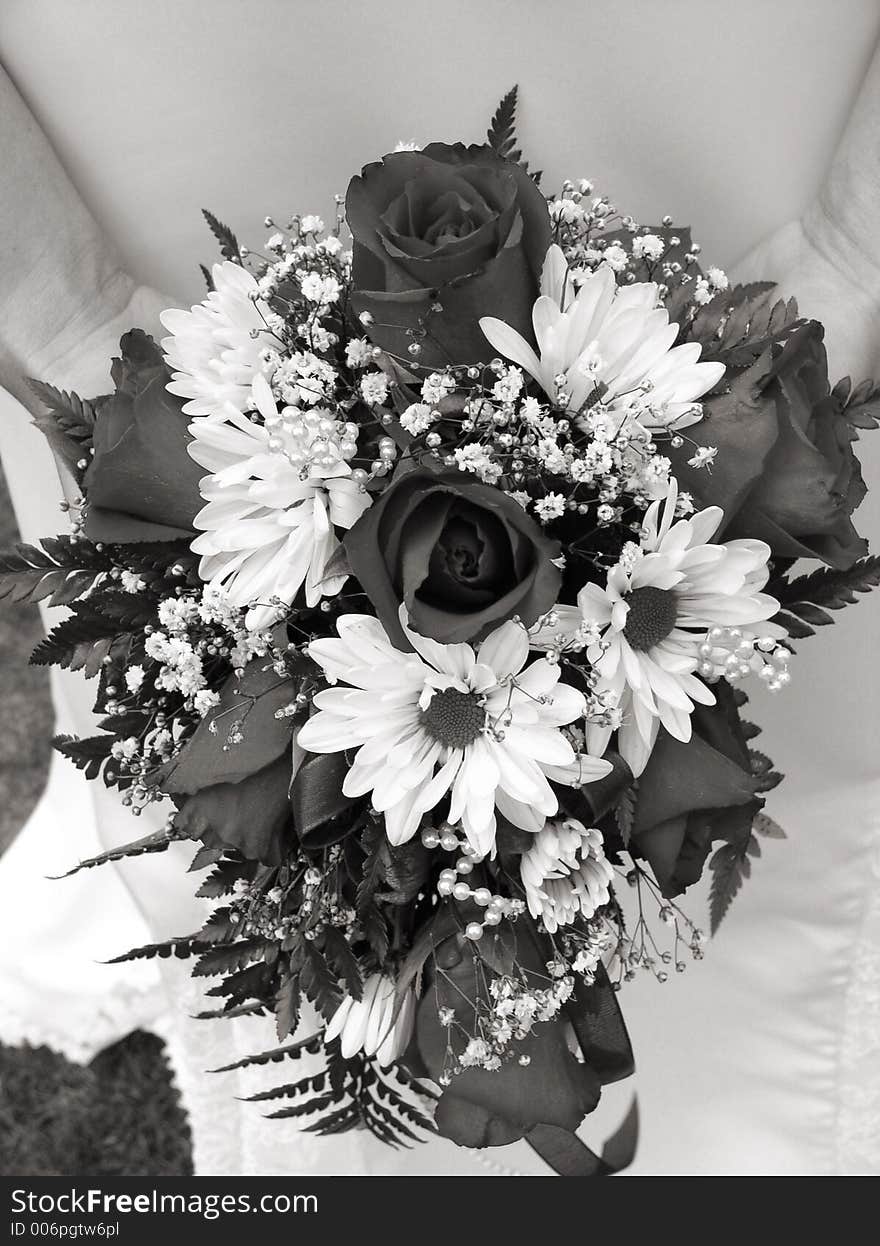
765, 1058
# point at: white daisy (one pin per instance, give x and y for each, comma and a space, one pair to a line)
653, 615
445, 719
216, 349
276, 493
565, 873
608, 344
369, 1024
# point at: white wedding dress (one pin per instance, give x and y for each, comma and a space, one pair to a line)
764, 1058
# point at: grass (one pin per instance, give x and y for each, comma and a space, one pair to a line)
119, 1115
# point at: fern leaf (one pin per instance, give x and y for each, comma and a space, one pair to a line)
68, 423
729, 865
230, 1009
861, 405
81, 642
158, 841
181, 948
316, 980
223, 957
501, 135
808, 598
340, 957
59, 573
229, 247
88, 754
224, 878
767, 827
287, 1006
250, 983
219, 928
625, 812
292, 1051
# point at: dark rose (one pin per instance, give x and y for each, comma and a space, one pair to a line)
485, 1108
141, 484
455, 227
785, 471
460, 555
693, 793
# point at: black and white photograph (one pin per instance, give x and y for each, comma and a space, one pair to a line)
439, 661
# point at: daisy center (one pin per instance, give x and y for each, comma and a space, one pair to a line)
454, 718
652, 615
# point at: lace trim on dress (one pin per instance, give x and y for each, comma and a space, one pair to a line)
858, 1123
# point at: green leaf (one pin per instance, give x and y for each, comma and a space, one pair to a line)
248, 706
292, 1051
762, 769
766, 826
68, 424
374, 844
88, 754
82, 642
443, 925
181, 948
729, 866
287, 1002
501, 135
625, 811
250, 983
339, 956
158, 841
861, 406
224, 957
60, 572
806, 599
229, 247
316, 980
219, 928
256, 1008
224, 878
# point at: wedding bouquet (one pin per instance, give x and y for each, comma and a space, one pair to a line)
422, 569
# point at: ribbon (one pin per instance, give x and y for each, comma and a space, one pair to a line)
317, 800
569, 1156
601, 1032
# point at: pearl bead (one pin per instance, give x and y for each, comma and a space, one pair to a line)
461, 891
482, 896
444, 887
493, 917
430, 839
474, 931
448, 876
449, 841
464, 866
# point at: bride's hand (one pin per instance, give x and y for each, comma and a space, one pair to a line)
830, 258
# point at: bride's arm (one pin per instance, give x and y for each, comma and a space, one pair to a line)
65, 298
830, 258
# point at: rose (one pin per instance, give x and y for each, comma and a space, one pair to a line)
141, 484
460, 555
693, 793
496, 1107
785, 472
456, 228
